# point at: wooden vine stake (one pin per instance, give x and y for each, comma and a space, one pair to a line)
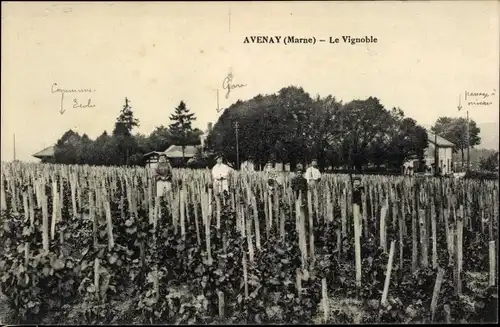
196, 221
3, 203
111, 241
434, 239
423, 243
343, 212
311, 226
269, 221
55, 199
339, 244
383, 214
326, 311
388, 275
96, 276
92, 217
492, 264
256, 222
183, 213
245, 274
401, 237
249, 240
357, 244
414, 250
301, 232
218, 211
73, 195
206, 219
437, 288
45, 224
220, 295
459, 234
298, 282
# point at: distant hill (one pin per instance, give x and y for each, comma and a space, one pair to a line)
489, 136
475, 156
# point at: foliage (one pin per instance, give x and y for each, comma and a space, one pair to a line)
490, 163
180, 128
455, 130
290, 126
126, 121
157, 270
122, 147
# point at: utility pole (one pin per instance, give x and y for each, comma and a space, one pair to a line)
236, 125
436, 156
468, 142
468, 135
14, 147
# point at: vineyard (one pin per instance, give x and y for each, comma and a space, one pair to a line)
88, 245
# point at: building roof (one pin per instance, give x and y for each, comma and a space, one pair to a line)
175, 151
441, 142
45, 153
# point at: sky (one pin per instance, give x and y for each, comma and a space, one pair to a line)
427, 55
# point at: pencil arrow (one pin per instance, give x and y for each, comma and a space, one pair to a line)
459, 102
62, 111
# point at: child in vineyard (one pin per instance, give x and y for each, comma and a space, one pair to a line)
273, 180
220, 174
299, 183
163, 176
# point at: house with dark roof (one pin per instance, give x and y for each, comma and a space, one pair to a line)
174, 155
47, 154
444, 153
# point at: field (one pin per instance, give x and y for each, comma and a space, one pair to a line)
93, 245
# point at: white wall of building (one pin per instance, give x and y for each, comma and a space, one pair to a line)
445, 161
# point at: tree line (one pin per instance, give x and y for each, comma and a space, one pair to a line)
292, 126
289, 126
121, 147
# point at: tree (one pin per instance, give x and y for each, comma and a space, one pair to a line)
123, 140
84, 152
126, 121
408, 140
180, 129
143, 143
160, 139
455, 130
292, 127
489, 163
363, 123
104, 152
66, 148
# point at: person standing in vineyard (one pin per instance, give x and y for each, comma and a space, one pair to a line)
274, 178
299, 183
313, 175
220, 174
163, 176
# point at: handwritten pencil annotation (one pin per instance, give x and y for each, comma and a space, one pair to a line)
76, 102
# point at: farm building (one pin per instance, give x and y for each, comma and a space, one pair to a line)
46, 155
444, 155
174, 154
